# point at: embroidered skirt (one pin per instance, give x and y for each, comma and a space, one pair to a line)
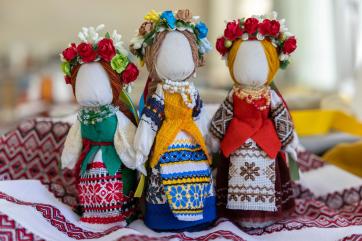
101, 196
254, 190
180, 192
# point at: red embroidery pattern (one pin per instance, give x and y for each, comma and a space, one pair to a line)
12, 231
308, 161
353, 237
313, 213
32, 151
101, 196
57, 219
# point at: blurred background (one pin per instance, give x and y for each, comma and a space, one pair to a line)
326, 72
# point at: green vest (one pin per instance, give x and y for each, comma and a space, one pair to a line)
104, 131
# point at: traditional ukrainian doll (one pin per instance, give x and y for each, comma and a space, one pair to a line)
253, 126
180, 193
99, 146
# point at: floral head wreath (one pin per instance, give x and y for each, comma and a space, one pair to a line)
259, 27
95, 48
157, 22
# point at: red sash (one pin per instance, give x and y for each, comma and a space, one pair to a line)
87, 144
249, 122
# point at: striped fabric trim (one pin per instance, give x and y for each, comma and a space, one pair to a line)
192, 168
184, 155
187, 180
186, 174
154, 112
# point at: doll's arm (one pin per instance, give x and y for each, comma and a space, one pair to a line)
72, 146
284, 125
202, 119
123, 141
220, 122
151, 120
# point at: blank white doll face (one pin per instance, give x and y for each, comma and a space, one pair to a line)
174, 60
251, 65
92, 86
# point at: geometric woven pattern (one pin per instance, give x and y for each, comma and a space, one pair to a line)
222, 118
283, 123
32, 151
12, 231
313, 213
54, 216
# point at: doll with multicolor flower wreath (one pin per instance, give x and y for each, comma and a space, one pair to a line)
170, 136
99, 146
253, 127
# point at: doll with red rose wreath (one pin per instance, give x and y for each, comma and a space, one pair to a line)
99, 144
253, 127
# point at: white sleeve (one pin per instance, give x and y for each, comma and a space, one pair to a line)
123, 140
149, 124
72, 146
284, 125
203, 122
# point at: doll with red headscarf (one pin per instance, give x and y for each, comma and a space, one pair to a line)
253, 127
99, 144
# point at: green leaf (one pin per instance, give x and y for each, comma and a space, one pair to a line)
293, 168
124, 97
284, 64
241, 21
108, 35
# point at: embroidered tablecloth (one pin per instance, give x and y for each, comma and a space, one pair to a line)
36, 198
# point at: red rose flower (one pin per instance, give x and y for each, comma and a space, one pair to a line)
130, 73
67, 79
86, 52
220, 46
251, 25
264, 27
106, 49
70, 53
232, 30
289, 45
274, 27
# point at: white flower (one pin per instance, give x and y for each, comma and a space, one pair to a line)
204, 46
100, 27
259, 17
259, 36
274, 15
283, 57
118, 43
283, 26
288, 34
62, 58
82, 37
90, 34
137, 42
274, 42
245, 36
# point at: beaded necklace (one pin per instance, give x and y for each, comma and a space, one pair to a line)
93, 115
259, 97
185, 88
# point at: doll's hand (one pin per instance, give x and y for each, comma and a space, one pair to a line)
140, 161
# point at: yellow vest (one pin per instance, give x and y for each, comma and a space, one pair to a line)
178, 117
